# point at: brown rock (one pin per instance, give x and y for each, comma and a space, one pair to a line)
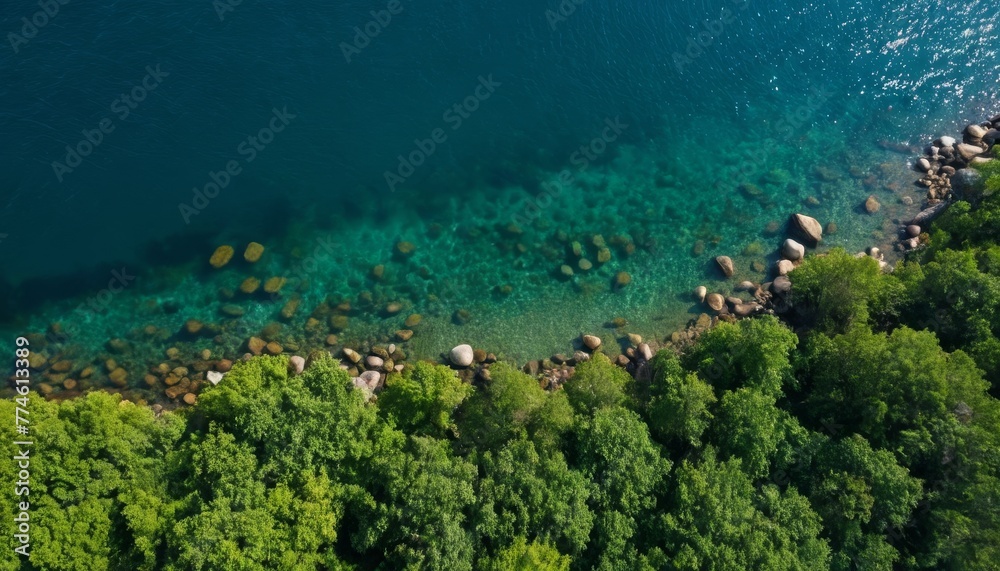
715, 301
274, 348
591, 342
193, 326
413, 320
968, 152
378, 272
119, 377
808, 227
288, 311
726, 265
253, 252
332, 340
274, 284
872, 205
405, 248
190, 398
224, 365
221, 256
69, 384
250, 285
256, 345
622, 279
352, 355
62, 366
404, 334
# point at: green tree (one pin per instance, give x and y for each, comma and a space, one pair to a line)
522, 556
839, 290
597, 383
524, 494
617, 454
423, 398
751, 352
511, 406
680, 402
716, 520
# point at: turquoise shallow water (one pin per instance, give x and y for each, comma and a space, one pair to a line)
678, 110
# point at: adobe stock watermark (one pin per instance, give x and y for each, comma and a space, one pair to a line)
363, 35
562, 12
248, 148
31, 26
122, 107
759, 157
223, 7
120, 279
698, 43
454, 116
581, 159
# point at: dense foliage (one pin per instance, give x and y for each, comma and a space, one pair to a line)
867, 440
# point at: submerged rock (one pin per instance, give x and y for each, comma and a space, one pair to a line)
700, 292
726, 265
221, 256
872, 205
591, 342
253, 252
715, 301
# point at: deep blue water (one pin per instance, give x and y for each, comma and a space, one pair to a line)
698, 84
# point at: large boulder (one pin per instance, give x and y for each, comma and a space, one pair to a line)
715, 301
792, 250
784, 266
975, 131
462, 356
968, 152
808, 227
591, 342
726, 265
781, 285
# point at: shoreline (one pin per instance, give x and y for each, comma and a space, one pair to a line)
179, 379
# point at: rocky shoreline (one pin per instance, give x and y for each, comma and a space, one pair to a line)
947, 173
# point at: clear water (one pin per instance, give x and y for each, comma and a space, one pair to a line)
794, 98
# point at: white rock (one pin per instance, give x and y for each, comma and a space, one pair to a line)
645, 351
792, 250
371, 379
700, 292
461, 356
214, 377
374, 362
947, 141
297, 364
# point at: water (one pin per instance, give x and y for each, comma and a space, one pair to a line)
681, 106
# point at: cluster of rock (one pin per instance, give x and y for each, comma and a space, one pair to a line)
751, 298
368, 371
948, 174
